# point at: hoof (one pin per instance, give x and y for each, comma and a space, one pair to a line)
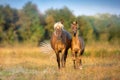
80, 67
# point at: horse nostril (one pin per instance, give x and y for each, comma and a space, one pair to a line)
58, 38
74, 33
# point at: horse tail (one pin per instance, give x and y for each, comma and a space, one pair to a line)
45, 47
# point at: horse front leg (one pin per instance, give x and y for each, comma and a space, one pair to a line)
74, 60
58, 59
63, 58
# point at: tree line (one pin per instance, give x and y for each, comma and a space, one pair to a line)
28, 25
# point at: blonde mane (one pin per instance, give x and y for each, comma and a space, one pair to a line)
58, 25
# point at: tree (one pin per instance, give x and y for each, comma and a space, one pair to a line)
55, 15
85, 28
49, 28
8, 19
29, 22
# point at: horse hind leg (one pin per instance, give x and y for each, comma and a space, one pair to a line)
80, 64
74, 60
74, 64
80, 59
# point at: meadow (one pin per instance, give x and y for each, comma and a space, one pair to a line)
100, 62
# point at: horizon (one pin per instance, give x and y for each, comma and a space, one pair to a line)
78, 7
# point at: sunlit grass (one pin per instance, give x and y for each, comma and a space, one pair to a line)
29, 63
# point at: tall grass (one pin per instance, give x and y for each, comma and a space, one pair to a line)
100, 62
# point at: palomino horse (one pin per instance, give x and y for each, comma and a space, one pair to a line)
77, 46
60, 42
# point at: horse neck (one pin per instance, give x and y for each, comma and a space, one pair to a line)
75, 38
61, 40
60, 43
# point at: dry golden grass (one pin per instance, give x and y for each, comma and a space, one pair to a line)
29, 63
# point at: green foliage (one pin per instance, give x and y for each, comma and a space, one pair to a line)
55, 15
87, 53
86, 29
37, 35
29, 25
8, 19
29, 22
49, 27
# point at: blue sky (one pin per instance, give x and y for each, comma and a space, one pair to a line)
78, 7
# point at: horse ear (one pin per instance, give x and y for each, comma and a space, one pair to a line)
62, 21
71, 25
76, 22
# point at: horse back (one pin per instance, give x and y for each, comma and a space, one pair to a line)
82, 44
67, 38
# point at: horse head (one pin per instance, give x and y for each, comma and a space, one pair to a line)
58, 33
58, 30
74, 27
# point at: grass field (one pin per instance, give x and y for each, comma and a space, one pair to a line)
30, 63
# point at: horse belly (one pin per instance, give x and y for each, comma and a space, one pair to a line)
82, 43
75, 47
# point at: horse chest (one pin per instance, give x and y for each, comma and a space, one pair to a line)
75, 47
59, 46
75, 44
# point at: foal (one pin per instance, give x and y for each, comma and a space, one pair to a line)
77, 46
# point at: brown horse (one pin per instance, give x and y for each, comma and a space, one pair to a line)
60, 42
77, 46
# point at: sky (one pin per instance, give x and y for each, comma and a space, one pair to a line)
78, 7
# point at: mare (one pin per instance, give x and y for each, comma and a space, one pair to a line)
60, 42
